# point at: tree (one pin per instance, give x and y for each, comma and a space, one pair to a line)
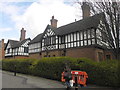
111, 9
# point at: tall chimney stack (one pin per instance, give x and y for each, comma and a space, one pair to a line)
3, 46
54, 22
2, 52
85, 10
23, 32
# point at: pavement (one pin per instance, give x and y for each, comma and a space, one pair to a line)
28, 81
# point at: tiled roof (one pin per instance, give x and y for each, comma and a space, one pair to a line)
21, 42
15, 43
36, 39
90, 22
83, 24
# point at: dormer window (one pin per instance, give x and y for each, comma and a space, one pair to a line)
62, 39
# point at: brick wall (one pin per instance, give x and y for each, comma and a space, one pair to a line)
93, 53
17, 57
81, 52
21, 57
75, 52
109, 53
35, 55
53, 53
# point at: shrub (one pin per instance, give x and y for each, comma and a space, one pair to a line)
22, 65
105, 73
50, 67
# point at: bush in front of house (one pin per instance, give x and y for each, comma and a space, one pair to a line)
22, 65
51, 67
103, 73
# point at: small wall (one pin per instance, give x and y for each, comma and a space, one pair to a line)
35, 55
21, 57
53, 53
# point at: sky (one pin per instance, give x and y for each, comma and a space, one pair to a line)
33, 16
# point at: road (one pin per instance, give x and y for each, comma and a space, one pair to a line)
28, 82
36, 83
10, 81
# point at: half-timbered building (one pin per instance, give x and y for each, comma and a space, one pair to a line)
83, 38
17, 49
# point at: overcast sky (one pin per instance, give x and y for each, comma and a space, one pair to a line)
34, 16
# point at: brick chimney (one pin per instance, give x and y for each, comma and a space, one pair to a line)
23, 32
2, 52
85, 10
53, 22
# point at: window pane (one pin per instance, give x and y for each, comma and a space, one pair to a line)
89, 42
88, 34
78, 44
93, 41
74, 44
81, 43
85, 36
71, 44
81, 36
68, 45
68, 38
62, 39
71, 37
78, 36
85, 42
25, 49
92, 33
74, 36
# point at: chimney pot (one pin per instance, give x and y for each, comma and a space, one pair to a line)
53, 22
52, 17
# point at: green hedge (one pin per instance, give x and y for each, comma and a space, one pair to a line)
104, 73
22, 65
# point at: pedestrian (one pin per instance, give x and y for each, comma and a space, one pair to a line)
67, 76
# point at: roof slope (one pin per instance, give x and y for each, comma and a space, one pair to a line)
39, 36
21, 42
36, 39
15, 43
12, 43
90, 22
83, 24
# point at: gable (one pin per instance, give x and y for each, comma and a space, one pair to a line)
8, 45
48, 32
11, 44
25, 44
